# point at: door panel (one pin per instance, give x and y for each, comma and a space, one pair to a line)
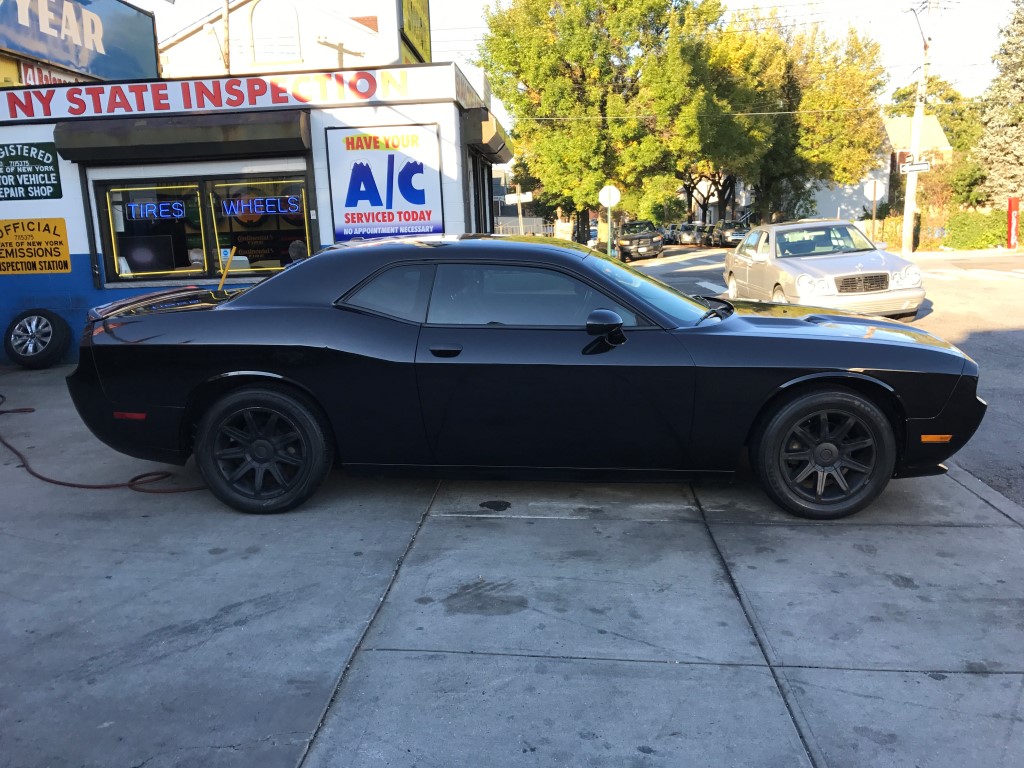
553, 397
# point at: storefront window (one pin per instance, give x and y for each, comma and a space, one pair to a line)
156, 231
264, 221
161, 232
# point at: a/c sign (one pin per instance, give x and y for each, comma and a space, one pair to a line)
385, 181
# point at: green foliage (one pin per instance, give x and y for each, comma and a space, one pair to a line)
960, 117
655, 96
841, 132
1001, 147
974, 229
967, 181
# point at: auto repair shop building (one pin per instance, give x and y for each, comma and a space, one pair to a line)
113, 189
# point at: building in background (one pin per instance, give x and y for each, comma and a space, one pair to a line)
300, 35
44, 42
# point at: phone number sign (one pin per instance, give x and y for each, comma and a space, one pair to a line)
29, 172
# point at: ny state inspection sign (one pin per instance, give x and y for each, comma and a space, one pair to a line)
385, 181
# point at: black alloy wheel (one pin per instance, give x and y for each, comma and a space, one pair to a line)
36, 338
263, 450
826, 454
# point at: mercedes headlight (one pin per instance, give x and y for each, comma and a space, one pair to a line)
806, 285
912, 275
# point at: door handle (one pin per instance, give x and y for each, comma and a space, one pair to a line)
446, 350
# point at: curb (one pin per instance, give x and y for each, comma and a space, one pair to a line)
987, 494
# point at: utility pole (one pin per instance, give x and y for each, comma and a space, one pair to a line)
227, 37
910, 198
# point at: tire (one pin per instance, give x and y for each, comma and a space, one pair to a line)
825, 455
36, 338
731, 287
779, 296
263, 451
625, 257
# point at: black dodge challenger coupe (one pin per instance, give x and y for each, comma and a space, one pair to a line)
515, 357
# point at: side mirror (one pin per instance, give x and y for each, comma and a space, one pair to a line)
761, 258
881, 246
606, 323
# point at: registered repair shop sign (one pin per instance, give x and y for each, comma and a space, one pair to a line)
29, 171
33, 247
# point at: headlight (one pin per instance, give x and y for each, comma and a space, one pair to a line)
912, 275
657, 238
896, 280
807, 285
623, 242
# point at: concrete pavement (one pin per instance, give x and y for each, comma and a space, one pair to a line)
476, 623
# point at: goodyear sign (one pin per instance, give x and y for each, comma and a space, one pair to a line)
105, 39
33, 247
29, 172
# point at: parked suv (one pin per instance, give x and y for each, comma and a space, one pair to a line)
639, 240
728, 233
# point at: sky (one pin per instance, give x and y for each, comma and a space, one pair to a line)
964, 33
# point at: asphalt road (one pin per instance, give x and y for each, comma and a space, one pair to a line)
974, 301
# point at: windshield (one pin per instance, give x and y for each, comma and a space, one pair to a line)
821, 240
678, 306
635, 227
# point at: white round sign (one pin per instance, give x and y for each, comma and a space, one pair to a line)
609, 196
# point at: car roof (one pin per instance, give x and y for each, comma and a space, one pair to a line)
803, 224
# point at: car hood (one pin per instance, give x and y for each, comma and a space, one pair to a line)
785, 319
862, 262
187, 298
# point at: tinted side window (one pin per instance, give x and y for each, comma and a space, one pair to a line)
399, 292
476, 294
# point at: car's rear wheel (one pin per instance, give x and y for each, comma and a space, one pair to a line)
778, 296
825, 454
731, 287
36, 338
263, 450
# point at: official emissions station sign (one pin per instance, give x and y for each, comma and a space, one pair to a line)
29, 172
33, 247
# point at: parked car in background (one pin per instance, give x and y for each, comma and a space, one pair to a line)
705, 233
505, 355
687, 234
823, 263
639, 240
727, 234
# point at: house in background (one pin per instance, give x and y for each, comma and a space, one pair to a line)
852, 200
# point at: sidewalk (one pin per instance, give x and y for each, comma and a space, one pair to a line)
417, 623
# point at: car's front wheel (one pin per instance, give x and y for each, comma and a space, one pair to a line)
731, 287
825, 454
263, 450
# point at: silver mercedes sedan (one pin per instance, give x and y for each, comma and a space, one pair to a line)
822, 263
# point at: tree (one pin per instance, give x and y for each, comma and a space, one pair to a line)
1001, 147
959, 116
570, 75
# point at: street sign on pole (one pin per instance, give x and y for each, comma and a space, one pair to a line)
920, 167
608, 197
515, 199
